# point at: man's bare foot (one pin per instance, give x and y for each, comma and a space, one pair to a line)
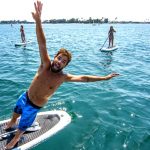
9, 125
12, 144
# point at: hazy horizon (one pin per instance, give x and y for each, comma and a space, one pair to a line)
113, 10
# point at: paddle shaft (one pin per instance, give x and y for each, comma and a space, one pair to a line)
104, 43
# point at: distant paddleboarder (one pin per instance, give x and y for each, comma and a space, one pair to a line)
111, 37
46, 81
22, 34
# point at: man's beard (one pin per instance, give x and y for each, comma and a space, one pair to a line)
55, 70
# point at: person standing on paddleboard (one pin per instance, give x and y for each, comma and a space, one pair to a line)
111, 37
22, 34
48, 78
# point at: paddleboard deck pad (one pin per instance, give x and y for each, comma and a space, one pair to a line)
50, 123
109, 49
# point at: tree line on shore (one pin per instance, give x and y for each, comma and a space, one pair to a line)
72, 20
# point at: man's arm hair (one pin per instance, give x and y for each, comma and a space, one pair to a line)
88, 78
45, 59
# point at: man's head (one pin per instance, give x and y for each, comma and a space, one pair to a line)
61, 60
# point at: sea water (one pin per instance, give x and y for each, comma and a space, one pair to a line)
106, 115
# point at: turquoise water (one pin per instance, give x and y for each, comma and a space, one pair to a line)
106, 115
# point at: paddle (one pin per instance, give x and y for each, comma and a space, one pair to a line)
104, 44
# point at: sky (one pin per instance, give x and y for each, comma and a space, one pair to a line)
124, 10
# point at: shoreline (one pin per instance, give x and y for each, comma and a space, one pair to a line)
72, 22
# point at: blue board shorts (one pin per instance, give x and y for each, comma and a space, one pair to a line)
27, 110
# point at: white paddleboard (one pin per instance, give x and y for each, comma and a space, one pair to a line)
22, 44
50, 123
109, 49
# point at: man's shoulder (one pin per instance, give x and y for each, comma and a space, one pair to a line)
65, 75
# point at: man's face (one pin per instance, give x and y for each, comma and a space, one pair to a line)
59, 63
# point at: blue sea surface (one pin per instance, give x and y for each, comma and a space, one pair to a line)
106, 115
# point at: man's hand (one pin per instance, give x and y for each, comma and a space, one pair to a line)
111, 75
38, 10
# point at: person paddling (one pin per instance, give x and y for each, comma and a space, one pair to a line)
111, 37
22, 34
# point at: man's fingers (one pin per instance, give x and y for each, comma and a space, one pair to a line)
32, 14
38, 7
41, 7
39, 4
115, 74
35, 6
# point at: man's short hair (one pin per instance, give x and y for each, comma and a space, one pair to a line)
66, 53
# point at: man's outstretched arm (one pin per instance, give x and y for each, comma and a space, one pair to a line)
88, 78
45, 59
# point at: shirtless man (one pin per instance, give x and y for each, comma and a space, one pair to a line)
22, 34
46, 81
111, 37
